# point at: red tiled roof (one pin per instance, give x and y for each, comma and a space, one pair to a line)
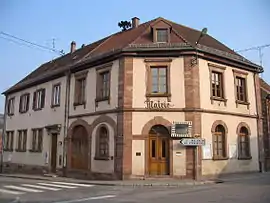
120, 40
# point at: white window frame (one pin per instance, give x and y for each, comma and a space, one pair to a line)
56, 95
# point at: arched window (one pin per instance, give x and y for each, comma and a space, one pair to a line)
102, 143
219, 142
244, 143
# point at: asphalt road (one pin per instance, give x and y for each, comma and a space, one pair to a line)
247, 189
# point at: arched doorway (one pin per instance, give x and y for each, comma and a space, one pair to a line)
79, 148
159, 152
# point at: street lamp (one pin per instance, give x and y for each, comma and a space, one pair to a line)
194, 61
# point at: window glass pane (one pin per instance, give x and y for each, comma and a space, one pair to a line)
162, 80
153, 146
162, 89
162, 35
162, 71
154, 88
154, 72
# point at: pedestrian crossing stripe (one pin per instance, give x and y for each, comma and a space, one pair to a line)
22, 188
40, 187
54, 185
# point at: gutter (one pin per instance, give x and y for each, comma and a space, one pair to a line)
259, 138
3, 137
66, 122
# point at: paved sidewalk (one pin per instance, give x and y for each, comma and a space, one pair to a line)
134, 183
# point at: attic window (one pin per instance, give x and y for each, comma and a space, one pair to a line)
162, 35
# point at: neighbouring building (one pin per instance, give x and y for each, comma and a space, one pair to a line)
265, 96
1, 139
118, 108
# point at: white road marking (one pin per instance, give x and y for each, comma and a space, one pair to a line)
73, 184
11, 192
22, 188
87, 199
54, 185
41, 187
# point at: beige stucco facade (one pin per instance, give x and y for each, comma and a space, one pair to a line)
231, 114
37, 119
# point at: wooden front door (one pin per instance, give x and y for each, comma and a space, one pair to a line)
159, 153
53, 152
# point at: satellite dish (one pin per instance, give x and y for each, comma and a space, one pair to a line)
204, 31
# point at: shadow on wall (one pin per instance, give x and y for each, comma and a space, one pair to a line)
238, 162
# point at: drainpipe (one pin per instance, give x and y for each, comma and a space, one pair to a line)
66, 121
3, 137
260, 143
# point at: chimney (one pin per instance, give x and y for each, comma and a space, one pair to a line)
135, 22
72, 47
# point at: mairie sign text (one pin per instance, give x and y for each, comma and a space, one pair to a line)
157, 104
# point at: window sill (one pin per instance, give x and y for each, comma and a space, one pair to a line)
55, 105
100, 99
37, 109
245, 158
242, 102
20, 150
218, 99
11, 114
23, 112
35, 151
158, 95
220, 158
8, 150
102, 158
75, 104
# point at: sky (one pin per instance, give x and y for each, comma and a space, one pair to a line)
239, 24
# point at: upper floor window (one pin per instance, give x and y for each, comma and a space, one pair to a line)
80, 85
162, 35
39, 99
217, 84
56, 94
10, 106
104, 85
21, 140
241, 94
159, 81
37, 140
24, 103
8, 141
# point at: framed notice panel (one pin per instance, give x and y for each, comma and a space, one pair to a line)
207, 151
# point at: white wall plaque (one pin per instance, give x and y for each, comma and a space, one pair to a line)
232, 151
207, 151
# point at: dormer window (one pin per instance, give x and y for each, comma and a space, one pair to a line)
162, 35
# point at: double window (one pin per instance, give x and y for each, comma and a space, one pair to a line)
219, 142
159, 83
80, 89
240, 85
10, 106
102, 143
24, 103
56, 94
8, 141
243, 143
39, 99
37, 140
21, 140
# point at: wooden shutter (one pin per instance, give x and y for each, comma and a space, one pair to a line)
40, 140
43, 98
27, 101
24, 139
11, 141
34, 100
20, 105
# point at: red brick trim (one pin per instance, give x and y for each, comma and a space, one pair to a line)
240, 125
219, 122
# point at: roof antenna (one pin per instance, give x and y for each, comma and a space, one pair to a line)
203, 32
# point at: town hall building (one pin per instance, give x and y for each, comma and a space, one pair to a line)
119, 108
